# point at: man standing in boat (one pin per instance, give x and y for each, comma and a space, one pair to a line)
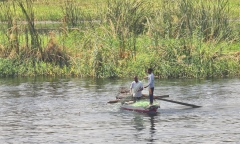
150, 84
136, 89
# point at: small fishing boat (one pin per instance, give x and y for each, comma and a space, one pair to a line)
141, 106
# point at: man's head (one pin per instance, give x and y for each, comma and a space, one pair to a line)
135, 78
149, 70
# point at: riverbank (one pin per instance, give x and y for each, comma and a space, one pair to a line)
128, 38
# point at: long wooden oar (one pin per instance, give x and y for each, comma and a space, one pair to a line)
155, 97
194, 106
114, 101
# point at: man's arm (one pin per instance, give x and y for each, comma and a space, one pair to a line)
131, 88
141, 87
149, 81
131, 91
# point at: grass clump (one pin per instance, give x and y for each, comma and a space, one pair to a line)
184, 39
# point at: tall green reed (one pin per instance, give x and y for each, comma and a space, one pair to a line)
176, 40
27, 10
7, 15
126, 20
183, 17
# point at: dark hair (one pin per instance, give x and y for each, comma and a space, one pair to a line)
150, 69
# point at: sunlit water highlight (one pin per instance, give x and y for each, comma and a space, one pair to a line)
75, 110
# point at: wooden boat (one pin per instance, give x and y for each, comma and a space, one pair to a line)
124, 93
141, 106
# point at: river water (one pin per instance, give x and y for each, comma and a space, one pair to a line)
75, 110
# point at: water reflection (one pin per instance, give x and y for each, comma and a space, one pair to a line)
145, 126
138, 122
152, 129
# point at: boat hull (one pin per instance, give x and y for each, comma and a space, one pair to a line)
139, 109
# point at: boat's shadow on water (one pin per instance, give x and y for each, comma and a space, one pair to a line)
152, 128
148, 124
145, 125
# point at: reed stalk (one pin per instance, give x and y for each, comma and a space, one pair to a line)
8, 14
127, 19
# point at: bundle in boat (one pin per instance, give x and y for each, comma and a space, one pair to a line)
141, 106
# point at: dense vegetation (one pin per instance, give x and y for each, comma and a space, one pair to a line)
118, 38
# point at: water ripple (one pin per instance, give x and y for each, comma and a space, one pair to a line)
75, 110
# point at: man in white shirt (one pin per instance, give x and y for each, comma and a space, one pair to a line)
150, 84
136, 89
